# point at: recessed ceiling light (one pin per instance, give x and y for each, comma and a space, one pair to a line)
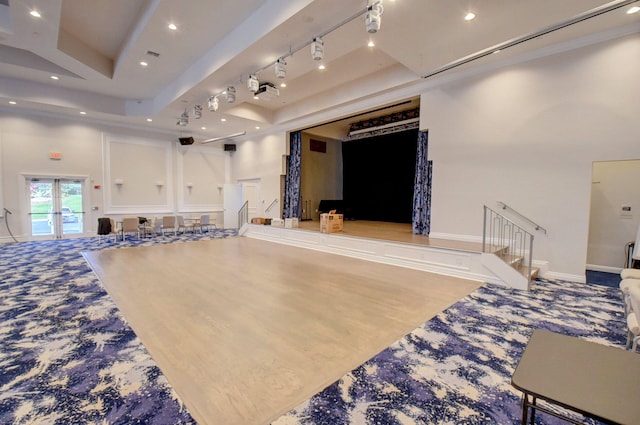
256, 97
371, 43
283, 84
35, 13
257, 127
469, 16
203, 128
173, 26
13, 102
143, 63
322, 67
223, 119
149, 120
55, 77
83, 113
634, 9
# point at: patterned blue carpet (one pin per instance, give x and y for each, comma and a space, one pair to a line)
457, 367
67, 356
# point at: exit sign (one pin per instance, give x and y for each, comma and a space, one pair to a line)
55, 155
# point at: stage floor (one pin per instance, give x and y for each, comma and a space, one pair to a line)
245, 330
396, 232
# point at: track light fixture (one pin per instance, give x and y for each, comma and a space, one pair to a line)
213, 103
281, 68
317, 49
231, 94
253, 84
197, 111
373, 17
184, 119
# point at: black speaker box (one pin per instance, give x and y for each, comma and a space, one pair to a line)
186, 140
230, 147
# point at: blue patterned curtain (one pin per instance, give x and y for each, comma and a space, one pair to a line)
292, 202
421, 223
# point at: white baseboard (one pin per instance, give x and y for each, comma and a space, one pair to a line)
606, 269
565, 276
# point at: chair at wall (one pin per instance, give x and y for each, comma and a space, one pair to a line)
625, 285
630, 274
153, 227
184, 226
633, 317
206, 223
130, 225
107, 227
169, 224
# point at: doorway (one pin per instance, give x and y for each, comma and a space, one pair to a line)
614, 215
56, 206
251, 195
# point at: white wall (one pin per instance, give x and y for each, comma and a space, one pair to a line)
262, 159
527, 135
615, 183
102, 154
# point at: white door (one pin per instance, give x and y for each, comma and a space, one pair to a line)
232, 198
56, 206
251, 195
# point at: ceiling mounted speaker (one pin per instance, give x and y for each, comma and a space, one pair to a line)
186, 140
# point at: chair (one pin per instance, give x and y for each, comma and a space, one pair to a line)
106, 227
169, 223
630, 274
130, 225
152, 227
205, 222
625, 285
183, 225
633, 318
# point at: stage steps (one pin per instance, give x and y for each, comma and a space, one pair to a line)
452, 262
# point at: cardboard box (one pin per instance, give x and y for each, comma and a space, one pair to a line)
277, 222
331, 223
257, 220
290, 223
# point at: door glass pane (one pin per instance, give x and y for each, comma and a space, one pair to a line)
71, 212
41, 196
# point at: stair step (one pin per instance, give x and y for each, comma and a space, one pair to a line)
514, 261
517, 262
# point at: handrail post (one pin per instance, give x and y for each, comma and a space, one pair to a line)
530, 257
484, 229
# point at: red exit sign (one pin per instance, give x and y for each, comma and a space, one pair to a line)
55, 155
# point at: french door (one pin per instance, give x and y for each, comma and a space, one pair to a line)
56, 206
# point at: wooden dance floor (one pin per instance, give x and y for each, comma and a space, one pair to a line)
246, 329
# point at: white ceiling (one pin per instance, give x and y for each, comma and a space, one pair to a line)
95, 47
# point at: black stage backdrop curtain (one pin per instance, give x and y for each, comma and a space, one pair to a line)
378, 177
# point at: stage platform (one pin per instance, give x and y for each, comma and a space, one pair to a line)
394, 243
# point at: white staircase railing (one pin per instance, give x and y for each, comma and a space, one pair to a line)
508, 241
243, 215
